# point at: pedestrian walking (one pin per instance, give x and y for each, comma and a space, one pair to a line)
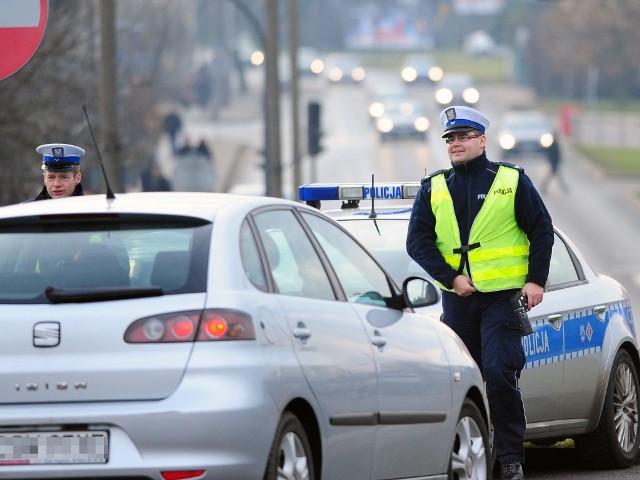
482, 231
60, 171
172, 125
554, 159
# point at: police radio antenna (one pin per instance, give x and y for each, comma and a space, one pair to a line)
373, 215
95, 144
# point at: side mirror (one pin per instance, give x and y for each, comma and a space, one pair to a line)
419, 292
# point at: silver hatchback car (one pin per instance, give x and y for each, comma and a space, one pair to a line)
581, 376
167, 336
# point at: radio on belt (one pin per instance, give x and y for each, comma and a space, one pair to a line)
519, 305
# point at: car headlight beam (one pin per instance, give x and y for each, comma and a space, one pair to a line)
470, 95
546, 140
507, 141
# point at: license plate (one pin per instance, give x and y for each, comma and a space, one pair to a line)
31, 448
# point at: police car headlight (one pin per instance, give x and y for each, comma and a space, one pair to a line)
384, 125
409, 74
471, 95
358, 74
376, 109
546, 140
507, 141
421, 124
436, 74
444, 96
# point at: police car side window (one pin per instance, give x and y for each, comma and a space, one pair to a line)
562, 270
361, 278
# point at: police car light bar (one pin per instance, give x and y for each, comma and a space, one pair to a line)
357, 191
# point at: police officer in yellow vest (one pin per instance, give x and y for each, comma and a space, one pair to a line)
482, 231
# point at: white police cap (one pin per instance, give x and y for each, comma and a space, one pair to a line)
60, 156
461, 118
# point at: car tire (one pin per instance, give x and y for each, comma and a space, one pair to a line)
614, 443
471, 457
291, 455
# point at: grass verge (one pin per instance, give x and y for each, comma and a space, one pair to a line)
614, 161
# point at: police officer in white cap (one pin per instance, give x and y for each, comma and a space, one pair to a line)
61, 171
482, 231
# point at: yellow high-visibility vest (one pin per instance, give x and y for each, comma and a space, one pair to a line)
498, 249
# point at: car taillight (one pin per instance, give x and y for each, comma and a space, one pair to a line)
182, 475
210, 325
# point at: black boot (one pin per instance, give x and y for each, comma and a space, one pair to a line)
511, 470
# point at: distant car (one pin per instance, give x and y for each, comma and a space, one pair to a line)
420, 69
457, 89
382, 94
344, 68
524, 132
581, 376
190, 335
310, 63
402, 118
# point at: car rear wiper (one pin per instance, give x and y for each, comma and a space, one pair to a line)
77, 295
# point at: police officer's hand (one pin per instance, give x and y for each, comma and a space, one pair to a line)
533, 293
463, 286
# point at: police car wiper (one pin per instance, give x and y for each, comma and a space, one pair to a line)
373, 215
104, 173
103, 294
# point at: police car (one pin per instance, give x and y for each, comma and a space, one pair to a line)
581, 374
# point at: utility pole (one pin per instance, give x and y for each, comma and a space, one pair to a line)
273, 164
295, 114
110, 145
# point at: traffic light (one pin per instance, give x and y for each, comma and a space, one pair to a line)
314, 131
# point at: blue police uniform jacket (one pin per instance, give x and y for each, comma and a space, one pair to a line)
468, 185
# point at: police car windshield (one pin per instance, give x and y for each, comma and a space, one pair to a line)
388, 246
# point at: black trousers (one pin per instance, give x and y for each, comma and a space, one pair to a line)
488, 327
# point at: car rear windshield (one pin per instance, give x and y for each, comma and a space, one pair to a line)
86, 253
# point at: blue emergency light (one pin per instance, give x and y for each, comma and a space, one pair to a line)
358, 191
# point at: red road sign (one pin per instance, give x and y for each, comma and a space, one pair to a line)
22, 24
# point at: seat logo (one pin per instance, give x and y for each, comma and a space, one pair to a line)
46, 334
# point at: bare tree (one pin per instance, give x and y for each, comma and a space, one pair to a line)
42, 103
582, 35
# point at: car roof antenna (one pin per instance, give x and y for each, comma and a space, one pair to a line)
373, 215
93, 137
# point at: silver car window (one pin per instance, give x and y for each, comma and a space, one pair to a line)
115, 254
361, 278
294, 264
251, 258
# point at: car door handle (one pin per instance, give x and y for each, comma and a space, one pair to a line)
555, 319
302, 332
378, 340
600, 311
